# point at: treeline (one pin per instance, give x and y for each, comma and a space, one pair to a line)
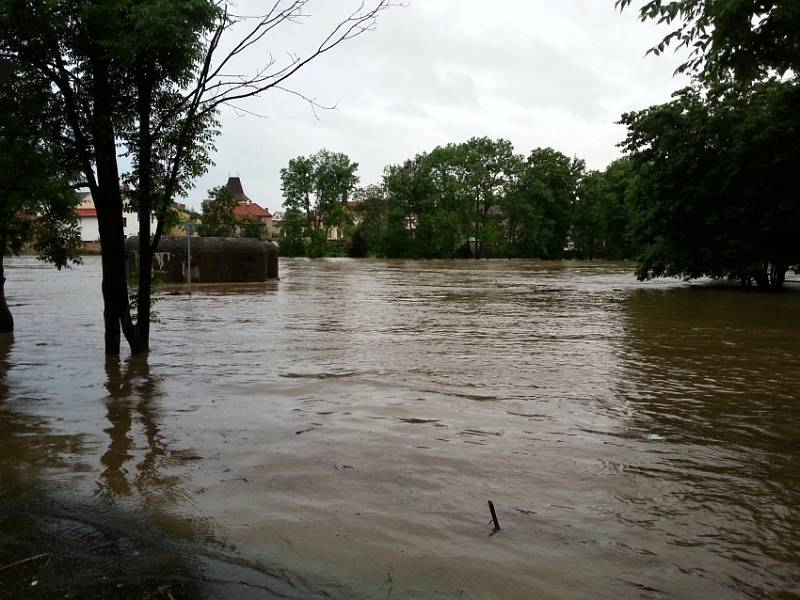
473, 199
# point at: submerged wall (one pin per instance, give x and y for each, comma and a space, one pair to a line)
214, 260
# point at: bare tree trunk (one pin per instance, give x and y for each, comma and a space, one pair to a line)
6, 320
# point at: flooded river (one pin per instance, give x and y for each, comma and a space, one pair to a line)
339, 433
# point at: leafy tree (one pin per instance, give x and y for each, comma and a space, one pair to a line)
369, 208
716, 190
440, 204
549, 181
479, 198
405, 187
292, 242
601, 214
149, 75
218, 218
525, 231
748, 38
115, 67
318, 188
250, 227
37, 180
490, 169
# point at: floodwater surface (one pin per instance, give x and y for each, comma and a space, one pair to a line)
338, 433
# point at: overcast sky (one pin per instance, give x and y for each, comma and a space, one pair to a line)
537, 72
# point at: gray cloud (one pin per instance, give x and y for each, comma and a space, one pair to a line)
537, 72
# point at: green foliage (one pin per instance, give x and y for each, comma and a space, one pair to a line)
748, 38
716, 188
37, 174
316, 189
251, 227
154, 299
601, 214
476, 198
292, 242
218, 218
316, 244
549, 182
369, 217
356, 245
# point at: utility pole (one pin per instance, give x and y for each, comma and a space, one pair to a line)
189, 230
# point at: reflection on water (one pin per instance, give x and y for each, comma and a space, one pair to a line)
342, 430
130, 389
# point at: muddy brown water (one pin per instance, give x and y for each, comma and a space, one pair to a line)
340, 431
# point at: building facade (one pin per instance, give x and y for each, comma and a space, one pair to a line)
90, 230
247, 210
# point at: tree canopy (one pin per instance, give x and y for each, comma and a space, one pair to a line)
715, 190
316, 190
748, 38
38, 177
477, 198
717, 187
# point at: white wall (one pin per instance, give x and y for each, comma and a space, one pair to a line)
90, 232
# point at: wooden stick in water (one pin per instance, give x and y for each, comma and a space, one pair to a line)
494, 516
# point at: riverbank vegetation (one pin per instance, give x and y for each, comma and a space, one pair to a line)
706, 185
477, 198
717, 190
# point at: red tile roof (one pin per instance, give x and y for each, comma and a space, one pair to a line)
246, 208
251, 210
86, 212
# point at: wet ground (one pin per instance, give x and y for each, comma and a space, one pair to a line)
338, 433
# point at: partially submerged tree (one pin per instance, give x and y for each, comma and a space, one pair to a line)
37, 178
717, 190
318, 187
152, 76
550, 179
602, 211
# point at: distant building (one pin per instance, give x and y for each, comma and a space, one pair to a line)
247, 209
182, 216
90, 230
277, 224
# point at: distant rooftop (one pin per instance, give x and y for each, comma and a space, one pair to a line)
246, 208
235, 186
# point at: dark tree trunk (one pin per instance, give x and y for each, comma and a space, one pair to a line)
116, 307
769, 276
777, 275
761, 277
6, 320
146, 249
